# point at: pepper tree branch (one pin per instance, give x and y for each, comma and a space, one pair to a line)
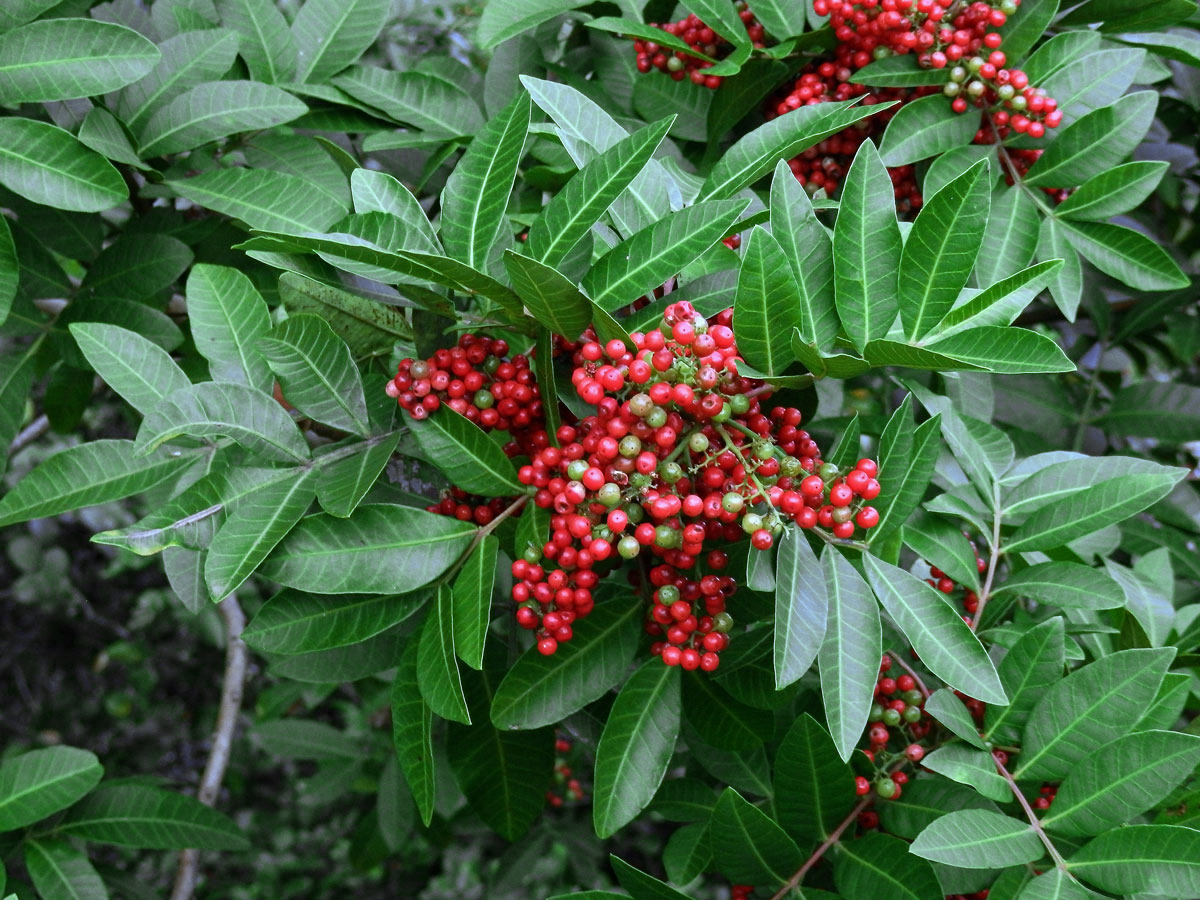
833, 838
1032, 816
232, 685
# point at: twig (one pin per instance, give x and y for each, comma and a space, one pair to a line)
833, 838
993, 558
29, 434
911, 671
1032, 816
222, 741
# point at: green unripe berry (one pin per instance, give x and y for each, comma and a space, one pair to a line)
674, 64
698, 442
483, 399
828, 472
1019, 103
733, 502
576, 468
842, 514
790, 466
876, 712
751, 522
532, 554
913, 697
668, 594
1006, 92
630, 446
491, 364
890, 717
640, 404
912, 714
628, 547
609, 494
657, 417
740, 404
976, 89
952, 89
722, 623
886, 788
723, 414
667, 537
959, 74
635, 512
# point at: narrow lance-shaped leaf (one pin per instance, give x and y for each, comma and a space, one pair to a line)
476, 193
412, 731
926, 127
941, 250
542, 690
253, 530
464, 452
472, 596
218, 409
214, 110
265, 41
133, 815
645, 260
316, 372
331, 34
87, 475
188, 59
1066, 725
636, 745
61, 59
754, 849
270, 201
549, 295
878, 865
296, 622
801, 608
590, 192
228, 315
944, 642
1154, 860
978, 839
765, 305
812, 786
847, 657
808, 247
1127, 255
1027, 671
37, 783
47, 165
437, 666
381, 549
866, 250
60, 871
1010, 238
9, 269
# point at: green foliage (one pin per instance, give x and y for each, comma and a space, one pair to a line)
224, 224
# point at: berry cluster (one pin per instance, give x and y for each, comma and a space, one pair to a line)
703, 40
947, 585
566, 787
898, 724
741, 891
1046, 795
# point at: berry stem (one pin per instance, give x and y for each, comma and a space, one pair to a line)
993, 559
1016, 173
833, 838
483, 532
1032, 816
898, 660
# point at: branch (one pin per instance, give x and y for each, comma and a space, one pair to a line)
896, 658
29, 434
1032, 816
222, 741
833, 838
985, 593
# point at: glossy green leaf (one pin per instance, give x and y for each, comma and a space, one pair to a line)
1158, 860
1065, 584
765, 305
925, 800
781, 18
131, 815
943, 641
472, 601
926, 127
265, 41
468, 457
978, 839
866, 250
228, 316
86, 475
1093, 80
1096, 143
757, 153
809, 250
37, 783
476, 193
316, 372
944, 706
1066, 724
720, 18
1122, 15
1028, 670
687, 853
253, 530
136, 368
1054, 884
549, 295
878, 865
634, 29
1089, 509
801, 608
907, 471
636, 745
418, 99
306, 739
1010, 239
896, 71
1113, 191
295, 622
380, 549
412, 732
62, 59
1027, 25
344, 664
812, 786
721, 720
214, 110
59, 871
754, 849
1004, 350
853, 640
640, 885
645, 260
941, 249
218, 409
331, 34
999, 303
542, 690
379, 192
18, 12
437, 667
188, 59
47, 165
936, 539
585, 198
1122, 780
971, 767
507, 18
270, 201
